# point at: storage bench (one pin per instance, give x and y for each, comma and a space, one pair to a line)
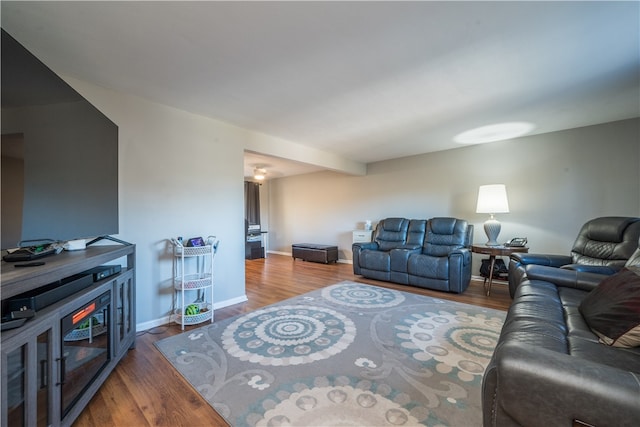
314, 252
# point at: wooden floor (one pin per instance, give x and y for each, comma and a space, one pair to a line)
145, 390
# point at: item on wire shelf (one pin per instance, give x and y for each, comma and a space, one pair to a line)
192, 310
195, 242
213, 242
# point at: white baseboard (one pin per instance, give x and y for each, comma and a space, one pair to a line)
495, 281
279, 253
166, 319
341, 261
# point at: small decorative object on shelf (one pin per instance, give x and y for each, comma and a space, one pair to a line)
193, 271
192, 310
195, 241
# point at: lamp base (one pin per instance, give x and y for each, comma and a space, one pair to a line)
492, 229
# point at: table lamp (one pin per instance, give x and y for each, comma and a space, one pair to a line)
492, 199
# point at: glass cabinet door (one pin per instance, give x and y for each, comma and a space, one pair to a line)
28, 369
16, 386
125, 318
44, 380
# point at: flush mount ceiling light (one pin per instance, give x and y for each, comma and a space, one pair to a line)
495, 132
259, 174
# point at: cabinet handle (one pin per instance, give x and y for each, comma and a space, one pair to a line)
62, 361
44, 380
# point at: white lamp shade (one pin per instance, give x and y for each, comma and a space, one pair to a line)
492, 199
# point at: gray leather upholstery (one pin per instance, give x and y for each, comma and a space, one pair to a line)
549, 369
603, 246
432, 253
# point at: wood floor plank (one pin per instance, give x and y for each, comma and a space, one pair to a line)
145, 390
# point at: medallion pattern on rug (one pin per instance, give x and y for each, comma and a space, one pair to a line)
348, 354
288, 335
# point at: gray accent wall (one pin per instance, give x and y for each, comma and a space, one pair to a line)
555, 182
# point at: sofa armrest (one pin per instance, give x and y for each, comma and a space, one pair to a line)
463, 253
365, 245
524, 258
358, 247
459, 269
534, 386
562, 277
598, 269
519, 260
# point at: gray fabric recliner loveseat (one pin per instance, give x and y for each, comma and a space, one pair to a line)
433, 253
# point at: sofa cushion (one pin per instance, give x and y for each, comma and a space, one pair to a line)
444, 235
375, 260
391, 233
428, 266
612, 310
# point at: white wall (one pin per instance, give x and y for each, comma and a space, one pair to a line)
180, 175
555, 183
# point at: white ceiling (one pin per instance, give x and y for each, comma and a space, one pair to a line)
275, 167
368, 81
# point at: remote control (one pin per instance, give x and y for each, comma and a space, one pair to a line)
30, 264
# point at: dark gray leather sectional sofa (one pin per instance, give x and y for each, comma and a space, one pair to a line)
549, 369
433, 253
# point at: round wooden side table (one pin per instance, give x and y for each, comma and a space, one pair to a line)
493, 252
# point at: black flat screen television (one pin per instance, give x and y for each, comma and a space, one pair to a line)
59, 156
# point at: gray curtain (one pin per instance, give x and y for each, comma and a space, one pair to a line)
252, 202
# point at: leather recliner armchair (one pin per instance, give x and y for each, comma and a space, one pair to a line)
603, 246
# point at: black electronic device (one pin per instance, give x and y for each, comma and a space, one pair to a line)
103, 272
27, 313
195, 242
30, 253
12, 323
60, 154
40, 298
17, 318
517, 242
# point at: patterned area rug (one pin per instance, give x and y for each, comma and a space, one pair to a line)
345, 355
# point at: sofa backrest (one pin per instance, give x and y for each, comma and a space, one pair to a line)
391, 233
416, 231
444, 235
607, 241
